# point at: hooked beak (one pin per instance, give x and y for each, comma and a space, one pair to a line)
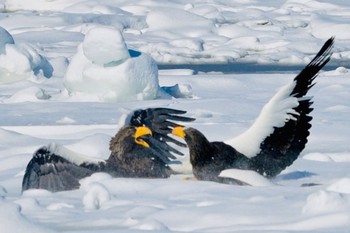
142, 131
178, 131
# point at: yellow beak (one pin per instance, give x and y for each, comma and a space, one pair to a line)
141, 131
179, 131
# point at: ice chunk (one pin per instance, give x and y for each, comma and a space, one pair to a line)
109, 74
20, 61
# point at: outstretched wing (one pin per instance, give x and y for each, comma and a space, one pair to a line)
160, 121
280, 132
52, 169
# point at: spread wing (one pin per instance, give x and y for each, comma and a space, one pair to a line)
160, 121
52, 169
280, 132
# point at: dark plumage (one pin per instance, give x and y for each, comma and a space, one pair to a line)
279, 142
130, 159
135, 152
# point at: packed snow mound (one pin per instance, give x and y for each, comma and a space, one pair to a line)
342, 186
179, 90
29, 94
20, 61
328, 157
105, 69
105, 47
97, 194
322, 202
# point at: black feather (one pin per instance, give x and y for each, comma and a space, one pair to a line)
160, 121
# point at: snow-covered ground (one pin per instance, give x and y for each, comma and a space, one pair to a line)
51, 91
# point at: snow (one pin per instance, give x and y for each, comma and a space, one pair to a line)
104, 46
5, 39
13, 221
70, 155
108, 71
70, 69
95, 196
20, 61
249, 177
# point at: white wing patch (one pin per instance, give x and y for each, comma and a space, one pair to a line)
275, 113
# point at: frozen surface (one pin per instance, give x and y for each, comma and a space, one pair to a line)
47, 54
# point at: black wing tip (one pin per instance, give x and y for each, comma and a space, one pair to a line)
154, 116
39, 157
49, 169
169, 110
171, 113
42, 155
305, 79
324, 55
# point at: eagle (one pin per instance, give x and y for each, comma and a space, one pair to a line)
141, 148
272, 143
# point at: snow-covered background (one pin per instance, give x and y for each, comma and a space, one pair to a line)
67, 74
